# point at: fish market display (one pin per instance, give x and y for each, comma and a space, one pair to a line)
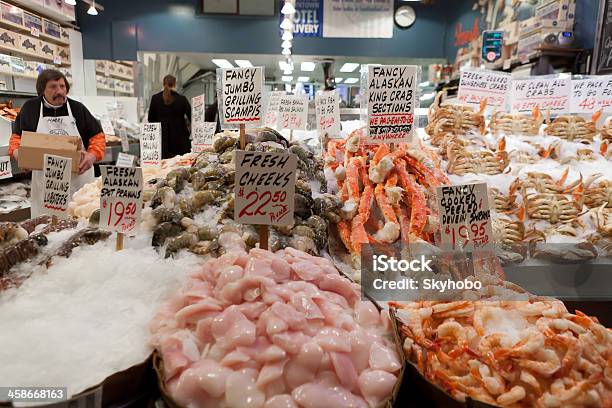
87, 199
14, 196
545, 190
516, 124
8, 111
454, 118
383, 194
510, 353
573, 128
263, 329
85, 317
189, 208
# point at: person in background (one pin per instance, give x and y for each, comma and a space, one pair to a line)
52, 112
170, 109
211, 114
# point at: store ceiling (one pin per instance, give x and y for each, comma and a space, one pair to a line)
272, 70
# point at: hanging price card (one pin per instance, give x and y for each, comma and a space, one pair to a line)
478, 85
545, 93
125, 143
57, 175
293, 112
197, 109
271, 119
120, 198
150, 144
391, 98
592, 94
6, 170
241, 95
465, 217
328, 113
202, 137
125, 160
264, 188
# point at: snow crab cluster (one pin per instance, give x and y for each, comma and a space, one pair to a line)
573, 128
516, 124
384, 192
541, 355
453, 118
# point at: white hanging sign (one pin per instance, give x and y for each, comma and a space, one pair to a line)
328, 113
547, 94
150, 144
57, 172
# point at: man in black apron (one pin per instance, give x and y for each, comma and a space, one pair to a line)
52, 112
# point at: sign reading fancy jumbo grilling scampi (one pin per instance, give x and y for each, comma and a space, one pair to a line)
264, 188
241, 95
391, 99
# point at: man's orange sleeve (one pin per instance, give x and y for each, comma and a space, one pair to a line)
14, 143
97, 146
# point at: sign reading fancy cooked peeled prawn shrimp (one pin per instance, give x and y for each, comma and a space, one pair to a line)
264, 188
391, 99
241, 95
465, 217
120, 198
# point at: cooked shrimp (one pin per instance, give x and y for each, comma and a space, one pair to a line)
547, 362
513, 396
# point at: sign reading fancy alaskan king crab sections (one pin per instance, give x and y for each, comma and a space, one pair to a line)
391, 98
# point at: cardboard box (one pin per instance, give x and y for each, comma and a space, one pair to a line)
9, 39
549, 11
34, 146
532, 25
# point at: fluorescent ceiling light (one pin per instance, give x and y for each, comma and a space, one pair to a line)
338, 80
288, 8
92, 9
349, 67
351, 80
427, 96
287, 35
70, 2
426, 83
286, 51
283, 65
244, 63
286, 44
286, 24
222, 63
308, 66
303, 79
287, 78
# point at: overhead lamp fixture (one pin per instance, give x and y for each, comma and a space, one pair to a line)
338, 80
288, 88
222, 63
244, 63
283, 65
349, 67
351, 80
303, 79
287, 24
286, 44
70, 2
93, 11
287, 35
288, 8
286, 51
424, 84
287, 78
307, 66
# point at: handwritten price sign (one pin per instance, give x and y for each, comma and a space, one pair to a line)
56, 195
547, 94
197, 109
120, 198
203, 134
477, 85
328, 113
241, 95
592, 94
271, 119
293, 111
264, 188
465, 217
150, 144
